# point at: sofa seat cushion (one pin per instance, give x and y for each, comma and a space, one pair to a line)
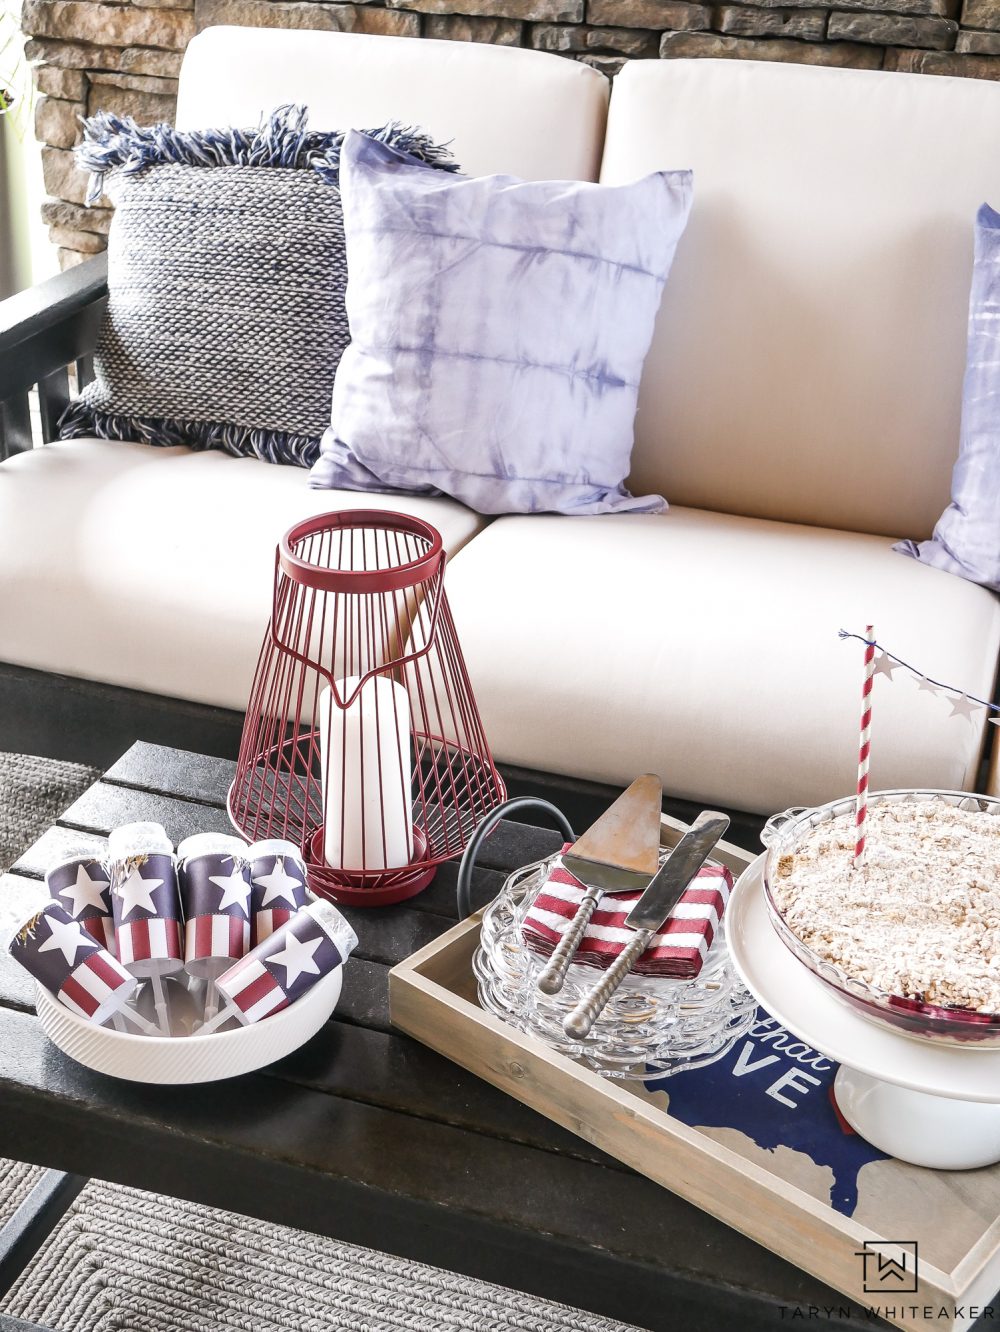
704, 647
153, 569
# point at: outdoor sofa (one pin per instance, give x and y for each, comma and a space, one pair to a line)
799, 409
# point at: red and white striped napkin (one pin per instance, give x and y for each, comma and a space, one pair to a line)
678, 952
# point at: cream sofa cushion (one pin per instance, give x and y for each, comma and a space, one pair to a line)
809, 356
153, 568
704, 647
503, 109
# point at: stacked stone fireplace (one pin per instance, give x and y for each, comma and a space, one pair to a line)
92, 55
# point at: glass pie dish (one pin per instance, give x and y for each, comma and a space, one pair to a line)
908, 1014
652, 1028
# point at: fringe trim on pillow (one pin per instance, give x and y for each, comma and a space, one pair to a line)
404, 138
113, 142
272, 446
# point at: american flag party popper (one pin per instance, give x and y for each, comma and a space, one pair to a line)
214, 877
286, 965
147, 906
81, 884
61, 955
278, 876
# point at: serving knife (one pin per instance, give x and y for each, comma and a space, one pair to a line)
649, 914
620, 852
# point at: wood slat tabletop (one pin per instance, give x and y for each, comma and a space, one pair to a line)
364, 1134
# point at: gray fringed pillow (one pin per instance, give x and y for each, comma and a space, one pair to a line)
226, 279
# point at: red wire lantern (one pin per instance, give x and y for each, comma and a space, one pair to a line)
362, 741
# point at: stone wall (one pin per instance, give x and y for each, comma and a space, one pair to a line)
92, 55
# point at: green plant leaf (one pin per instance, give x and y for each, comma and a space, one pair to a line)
16, 92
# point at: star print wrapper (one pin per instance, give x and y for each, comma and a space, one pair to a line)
62, 956
286, 965
82, 886
215, 896
147, 912
278, 878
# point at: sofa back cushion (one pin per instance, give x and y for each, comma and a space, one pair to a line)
808, 365
501, 109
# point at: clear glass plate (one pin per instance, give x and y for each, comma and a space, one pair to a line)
651, 1028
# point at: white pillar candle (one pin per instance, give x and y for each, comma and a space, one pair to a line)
365, 753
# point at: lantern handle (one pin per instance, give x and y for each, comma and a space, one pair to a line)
391, 664
463, 889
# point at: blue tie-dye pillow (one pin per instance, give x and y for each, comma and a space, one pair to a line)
966, 540
498, 331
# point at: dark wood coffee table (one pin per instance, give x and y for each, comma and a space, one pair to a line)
364, 1134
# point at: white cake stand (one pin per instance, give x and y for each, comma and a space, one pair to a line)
927, 1103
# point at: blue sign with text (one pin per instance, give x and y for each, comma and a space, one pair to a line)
778, 1091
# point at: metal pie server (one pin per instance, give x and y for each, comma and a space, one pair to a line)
649, 914
620, 852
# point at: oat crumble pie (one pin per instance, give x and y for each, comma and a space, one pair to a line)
920, 919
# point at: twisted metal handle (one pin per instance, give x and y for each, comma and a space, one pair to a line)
550, 981
579, 1022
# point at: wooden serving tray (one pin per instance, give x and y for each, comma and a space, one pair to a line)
755, 1140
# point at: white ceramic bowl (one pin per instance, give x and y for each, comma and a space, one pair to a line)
221, 1054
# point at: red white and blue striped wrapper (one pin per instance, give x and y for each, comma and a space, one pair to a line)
82, 887
215, 897
278, 887
677, 952
61, 955
286, 965
151, 944
210, 939
102, 930
147, 913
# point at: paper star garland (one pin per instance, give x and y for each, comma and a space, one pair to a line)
962, 704
885, 665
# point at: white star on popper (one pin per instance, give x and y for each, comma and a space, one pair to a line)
963, 706
279, 883
85, 892
297, 957
137, 892
70, 938
234, 890
884, 665
927, 685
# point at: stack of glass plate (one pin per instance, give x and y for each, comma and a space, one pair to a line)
651, 1028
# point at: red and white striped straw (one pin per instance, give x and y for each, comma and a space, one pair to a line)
861, 805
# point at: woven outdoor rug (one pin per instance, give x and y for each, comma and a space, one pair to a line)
125, 1261
33, 792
